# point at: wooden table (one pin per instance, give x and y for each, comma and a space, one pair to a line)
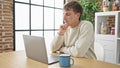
18, 59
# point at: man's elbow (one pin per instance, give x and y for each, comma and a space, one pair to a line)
53, 49
78, 54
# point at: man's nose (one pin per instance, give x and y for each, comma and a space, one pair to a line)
64, 17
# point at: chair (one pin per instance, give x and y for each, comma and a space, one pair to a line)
99, 51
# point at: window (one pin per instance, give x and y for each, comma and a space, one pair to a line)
38, 18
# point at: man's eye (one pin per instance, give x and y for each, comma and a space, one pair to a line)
67, 14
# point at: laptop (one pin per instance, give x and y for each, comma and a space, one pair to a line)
36, 49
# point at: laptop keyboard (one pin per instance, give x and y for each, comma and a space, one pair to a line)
52, 58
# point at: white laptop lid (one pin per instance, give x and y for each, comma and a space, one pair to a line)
35, 48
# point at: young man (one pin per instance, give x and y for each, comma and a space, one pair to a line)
75, 37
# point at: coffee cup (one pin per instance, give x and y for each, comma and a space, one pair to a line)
65, 60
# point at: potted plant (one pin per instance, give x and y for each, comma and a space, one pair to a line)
90, 7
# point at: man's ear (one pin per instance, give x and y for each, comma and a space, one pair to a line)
78, 14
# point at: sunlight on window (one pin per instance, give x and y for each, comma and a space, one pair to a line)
19, 40
37, 19
38, 2
26, 1
21, 18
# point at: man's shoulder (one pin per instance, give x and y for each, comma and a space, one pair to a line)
85, 22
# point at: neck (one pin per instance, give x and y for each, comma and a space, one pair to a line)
75, 24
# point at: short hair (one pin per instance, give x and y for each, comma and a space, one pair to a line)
77, 8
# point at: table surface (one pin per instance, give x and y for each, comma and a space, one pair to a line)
18, 59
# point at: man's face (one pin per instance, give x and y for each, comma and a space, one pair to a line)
70, 17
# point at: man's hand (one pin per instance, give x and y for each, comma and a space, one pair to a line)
62, 29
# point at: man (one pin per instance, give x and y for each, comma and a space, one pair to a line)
75, 37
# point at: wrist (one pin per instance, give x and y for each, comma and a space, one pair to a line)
61, 34
62, 50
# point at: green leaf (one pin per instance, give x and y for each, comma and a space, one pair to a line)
89, 7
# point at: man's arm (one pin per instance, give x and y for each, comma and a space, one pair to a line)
59, 39
83, 43
57, 43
